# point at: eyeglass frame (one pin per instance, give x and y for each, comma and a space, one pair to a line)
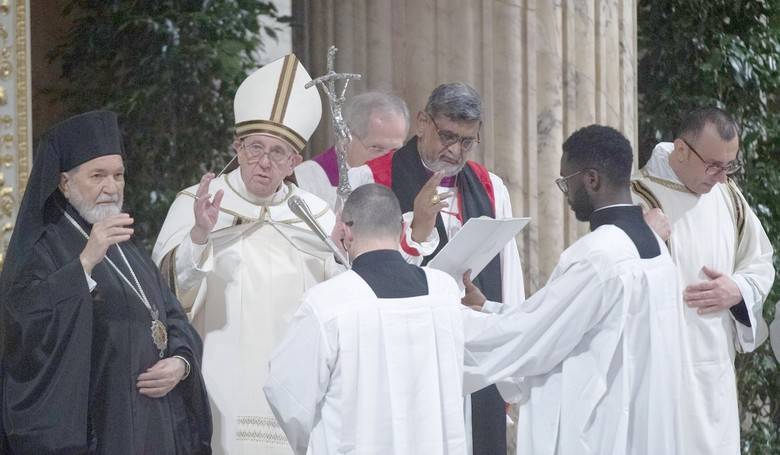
563, 182
708, 165
260, 155
370, 147
458, 138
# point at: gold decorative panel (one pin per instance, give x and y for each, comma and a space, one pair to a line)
15, 154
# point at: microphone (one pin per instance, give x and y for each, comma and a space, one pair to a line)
301, 210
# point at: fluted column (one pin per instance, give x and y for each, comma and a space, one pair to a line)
544, 68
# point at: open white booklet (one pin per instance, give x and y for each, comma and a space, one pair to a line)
477, 242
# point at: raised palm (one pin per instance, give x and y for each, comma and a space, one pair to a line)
206, 210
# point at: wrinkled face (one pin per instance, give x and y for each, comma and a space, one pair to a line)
385, 132
264, 162
576, 196
95, 188
445, 144
699, 173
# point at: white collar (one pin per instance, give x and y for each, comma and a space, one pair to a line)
235, 180
613, 205
658, 165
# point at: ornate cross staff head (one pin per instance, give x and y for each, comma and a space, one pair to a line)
343, 137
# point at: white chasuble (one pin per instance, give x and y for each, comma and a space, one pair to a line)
718, 230
241, 290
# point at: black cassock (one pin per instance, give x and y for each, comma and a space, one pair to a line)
72, 357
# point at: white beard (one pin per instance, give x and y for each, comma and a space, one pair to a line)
94, 212
447, 169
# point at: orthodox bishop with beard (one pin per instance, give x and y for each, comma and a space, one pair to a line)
98, 356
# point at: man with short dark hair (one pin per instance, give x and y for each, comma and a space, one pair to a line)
98, 357
440, 189
373, 360
724, 258
594, 356
378, 122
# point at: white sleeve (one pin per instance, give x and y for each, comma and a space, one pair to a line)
359, 176
310, 176
91, 284
533, 338
298, 377
193, 262
754, 275
414, 252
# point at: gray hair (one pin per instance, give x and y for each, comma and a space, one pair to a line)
375, 212
457, 101
358, 110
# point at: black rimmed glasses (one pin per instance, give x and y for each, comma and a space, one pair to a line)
563, 182
711, 168
448, 138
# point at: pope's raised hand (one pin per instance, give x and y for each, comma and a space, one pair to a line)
427, 204
104, 233
206, 210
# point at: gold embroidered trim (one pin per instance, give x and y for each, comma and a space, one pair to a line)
644, 192
283, 201
641, 190
240, 219
667, 183
262, 430
284, 88
275, 129
739, 207
168, 270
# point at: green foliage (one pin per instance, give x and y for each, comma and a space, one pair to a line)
724, 52
170, 69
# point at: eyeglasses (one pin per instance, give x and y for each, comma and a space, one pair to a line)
448, 138
373, 149
711, 168
563, 182
255, 153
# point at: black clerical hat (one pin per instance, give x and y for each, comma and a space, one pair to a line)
66, 145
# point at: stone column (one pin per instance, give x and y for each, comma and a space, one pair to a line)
544, 68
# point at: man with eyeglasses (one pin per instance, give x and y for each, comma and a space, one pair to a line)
240, 259
440, 188
724, 259
379, 123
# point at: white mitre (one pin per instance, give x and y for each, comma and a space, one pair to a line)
274, 101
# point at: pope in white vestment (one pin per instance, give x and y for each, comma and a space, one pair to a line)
716, 229
242, 281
